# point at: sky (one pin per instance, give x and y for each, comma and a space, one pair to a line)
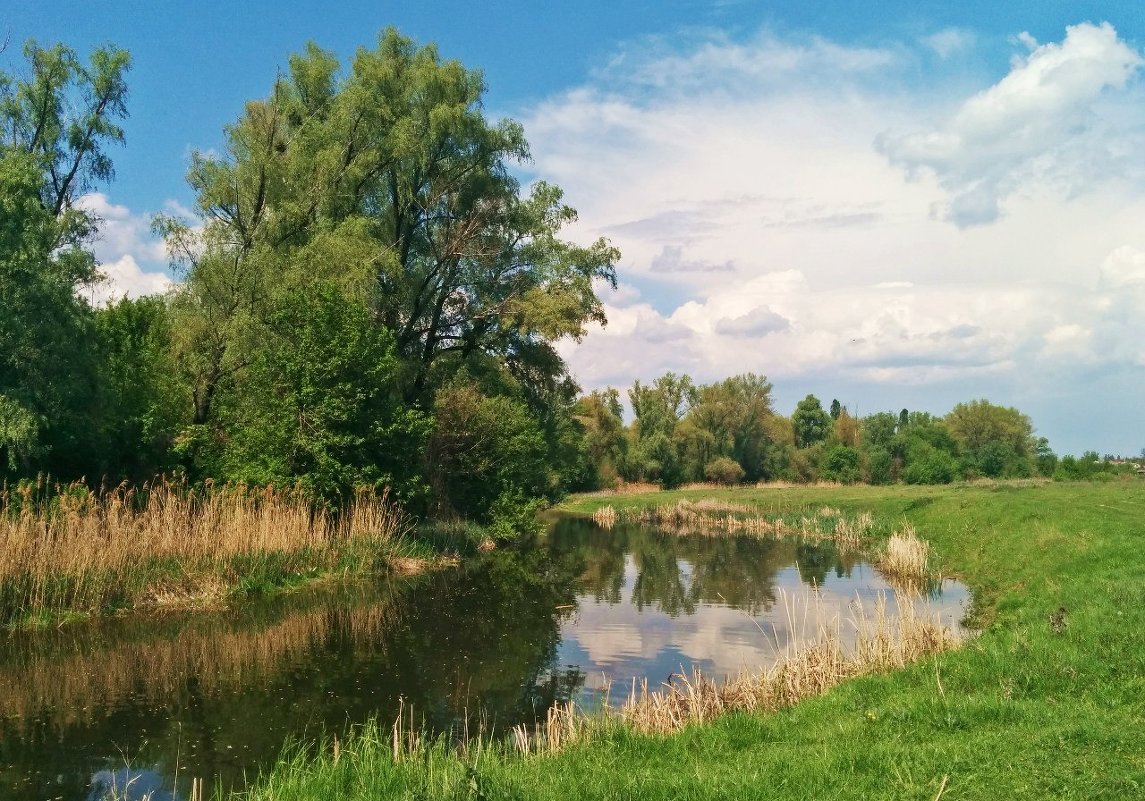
898, 205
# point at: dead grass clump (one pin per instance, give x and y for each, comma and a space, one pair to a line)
714, 517
605, 517
906, 558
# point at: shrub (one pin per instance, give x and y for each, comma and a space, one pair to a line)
723, 470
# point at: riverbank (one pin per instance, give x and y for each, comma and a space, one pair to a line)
1045, 702
68, 553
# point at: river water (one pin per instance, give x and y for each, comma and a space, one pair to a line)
579, 614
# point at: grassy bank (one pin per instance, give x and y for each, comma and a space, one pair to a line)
70, 552
1045, 703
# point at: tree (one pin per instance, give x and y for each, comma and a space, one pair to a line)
54, 126
836, 409
737, 414
658, 409
841, 463
846, 429
995, 440
139, 390
319, 409
486, 459
812, 424
391, 179
601, 419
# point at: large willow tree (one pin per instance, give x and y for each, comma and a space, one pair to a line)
386, 184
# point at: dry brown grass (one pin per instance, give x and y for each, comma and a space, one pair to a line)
71, 549
605, 517
625, 488
906, 559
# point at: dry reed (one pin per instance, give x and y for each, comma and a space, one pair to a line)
605, 517
75, 550
714, 517
906, 558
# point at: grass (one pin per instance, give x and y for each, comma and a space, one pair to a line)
1046, 702
68, 552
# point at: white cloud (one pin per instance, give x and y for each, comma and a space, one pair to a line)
125, 277
131, 257
1036, 123
1124, 267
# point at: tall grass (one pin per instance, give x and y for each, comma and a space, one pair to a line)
73, 550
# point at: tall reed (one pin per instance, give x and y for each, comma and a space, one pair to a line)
71, 549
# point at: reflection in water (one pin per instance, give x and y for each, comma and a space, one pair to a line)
498, 641
654, 604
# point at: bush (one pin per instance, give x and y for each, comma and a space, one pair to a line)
936, 467
841, 464
724, 471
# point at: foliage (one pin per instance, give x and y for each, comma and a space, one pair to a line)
811, 423
724, 471
486, 458
55, 125
841, 463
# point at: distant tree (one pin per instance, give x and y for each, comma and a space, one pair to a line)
846, 430
994, 440
878, 430
836, 409
811, 423
601, 419
904, 418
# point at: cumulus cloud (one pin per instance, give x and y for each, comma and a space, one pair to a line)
1035, 122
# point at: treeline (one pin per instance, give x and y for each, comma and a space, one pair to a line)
729, 432
366, 296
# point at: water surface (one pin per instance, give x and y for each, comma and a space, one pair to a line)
492, 643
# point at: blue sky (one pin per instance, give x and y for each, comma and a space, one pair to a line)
895, 204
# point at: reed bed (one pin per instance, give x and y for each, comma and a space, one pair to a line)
605, 517
716, 517
69, 549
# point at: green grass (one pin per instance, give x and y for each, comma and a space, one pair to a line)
1023, 711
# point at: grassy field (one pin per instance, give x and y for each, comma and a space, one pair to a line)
1047, 702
